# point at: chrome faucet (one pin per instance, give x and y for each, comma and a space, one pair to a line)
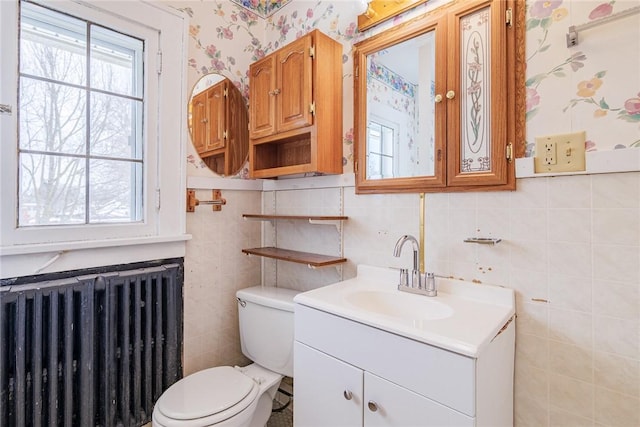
419, 283
415, 273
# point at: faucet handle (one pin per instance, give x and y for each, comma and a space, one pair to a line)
429, 281
404, 277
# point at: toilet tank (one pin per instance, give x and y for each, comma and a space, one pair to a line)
266, 327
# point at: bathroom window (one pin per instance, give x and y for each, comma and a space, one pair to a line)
94, 138
80, 121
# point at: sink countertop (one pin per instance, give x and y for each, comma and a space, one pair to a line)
478, 311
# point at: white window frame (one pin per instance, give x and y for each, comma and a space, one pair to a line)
164, 30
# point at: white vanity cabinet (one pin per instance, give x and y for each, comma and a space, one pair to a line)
347, 373
330, 392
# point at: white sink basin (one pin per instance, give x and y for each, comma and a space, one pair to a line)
399, 305
463, 318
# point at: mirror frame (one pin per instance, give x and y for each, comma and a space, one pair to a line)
515, 108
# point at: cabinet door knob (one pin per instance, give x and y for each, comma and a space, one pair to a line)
373, 406
347, 395
451, 94
438, 98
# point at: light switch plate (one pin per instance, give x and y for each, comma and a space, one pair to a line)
560, 153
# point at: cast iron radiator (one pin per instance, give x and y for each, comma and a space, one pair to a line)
92, 350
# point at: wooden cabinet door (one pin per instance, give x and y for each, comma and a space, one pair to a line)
328, 391
199, 121
262, 97
477, 94
216, 107
387, 404
294, 85
238, 132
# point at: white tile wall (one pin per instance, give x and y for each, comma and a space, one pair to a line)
570, 249
215, 268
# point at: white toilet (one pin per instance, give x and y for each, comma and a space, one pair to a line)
233, 396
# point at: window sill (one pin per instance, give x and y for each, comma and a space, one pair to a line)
88, 244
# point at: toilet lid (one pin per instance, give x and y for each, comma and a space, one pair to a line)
208, 392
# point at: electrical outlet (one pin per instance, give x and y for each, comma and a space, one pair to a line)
549, 153
560, 153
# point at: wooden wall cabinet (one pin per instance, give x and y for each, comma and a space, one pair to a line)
295, 109
219, 132
477, 101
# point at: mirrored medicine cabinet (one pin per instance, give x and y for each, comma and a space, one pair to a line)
439, 101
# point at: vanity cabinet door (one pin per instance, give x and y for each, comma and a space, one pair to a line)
328, 392
387, 404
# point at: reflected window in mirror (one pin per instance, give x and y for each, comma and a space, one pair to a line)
400, 84
382, 140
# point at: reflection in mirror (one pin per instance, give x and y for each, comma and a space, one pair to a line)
218, 124
400, 109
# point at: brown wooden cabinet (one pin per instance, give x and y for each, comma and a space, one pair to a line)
219, 128
295, 109
476, 97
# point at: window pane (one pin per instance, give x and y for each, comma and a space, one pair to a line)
373, 141
373, 166
387, 167
52, 190
115, 191
115, 126
387, 141
52, 45
116, 62
52, 117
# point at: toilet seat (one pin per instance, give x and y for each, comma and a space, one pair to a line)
216, 394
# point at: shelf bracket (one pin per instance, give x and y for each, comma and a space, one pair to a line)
337, 223
216, 200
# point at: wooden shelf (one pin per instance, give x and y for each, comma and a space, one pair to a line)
312, 260
296, 217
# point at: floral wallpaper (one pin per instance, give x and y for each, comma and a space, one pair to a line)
263, 8
391, 79
592, 86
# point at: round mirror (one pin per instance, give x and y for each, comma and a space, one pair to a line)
218, 124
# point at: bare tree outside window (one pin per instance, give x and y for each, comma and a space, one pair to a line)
80, 121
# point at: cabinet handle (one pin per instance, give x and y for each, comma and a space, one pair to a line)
274, 92
373, 406
451, 94
438, 98
204, 121
347, 395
